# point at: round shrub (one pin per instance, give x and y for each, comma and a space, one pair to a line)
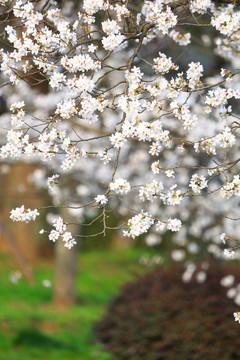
159, 317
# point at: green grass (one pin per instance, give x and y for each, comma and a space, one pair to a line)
32, 329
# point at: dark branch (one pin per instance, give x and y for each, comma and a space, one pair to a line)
175, 4
234, 2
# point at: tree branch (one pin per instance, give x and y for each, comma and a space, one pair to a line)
176, 4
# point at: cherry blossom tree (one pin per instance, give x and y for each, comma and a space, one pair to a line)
140, 128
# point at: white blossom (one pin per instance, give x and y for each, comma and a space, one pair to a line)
24, 215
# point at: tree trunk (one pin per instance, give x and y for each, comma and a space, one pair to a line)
121, 243
65, 277
12, 196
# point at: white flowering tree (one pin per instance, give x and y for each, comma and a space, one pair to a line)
138, 130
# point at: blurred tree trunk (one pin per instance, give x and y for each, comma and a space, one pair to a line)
65, 277
12, 196
18, 254
121, 243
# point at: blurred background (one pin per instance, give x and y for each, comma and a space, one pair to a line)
52, 297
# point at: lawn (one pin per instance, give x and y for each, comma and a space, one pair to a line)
31, 329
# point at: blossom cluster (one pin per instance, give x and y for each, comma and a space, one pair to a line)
231, 188
60, 231
151, 191
183, 113
138, 225
162, 64
181, 39
24, 215
101, 199
164, 19
52, 180
194, 73
17, 143
200, 6
174, 224
120, 186
198, 183
227, 21
237, 316
17, 120
229, 253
